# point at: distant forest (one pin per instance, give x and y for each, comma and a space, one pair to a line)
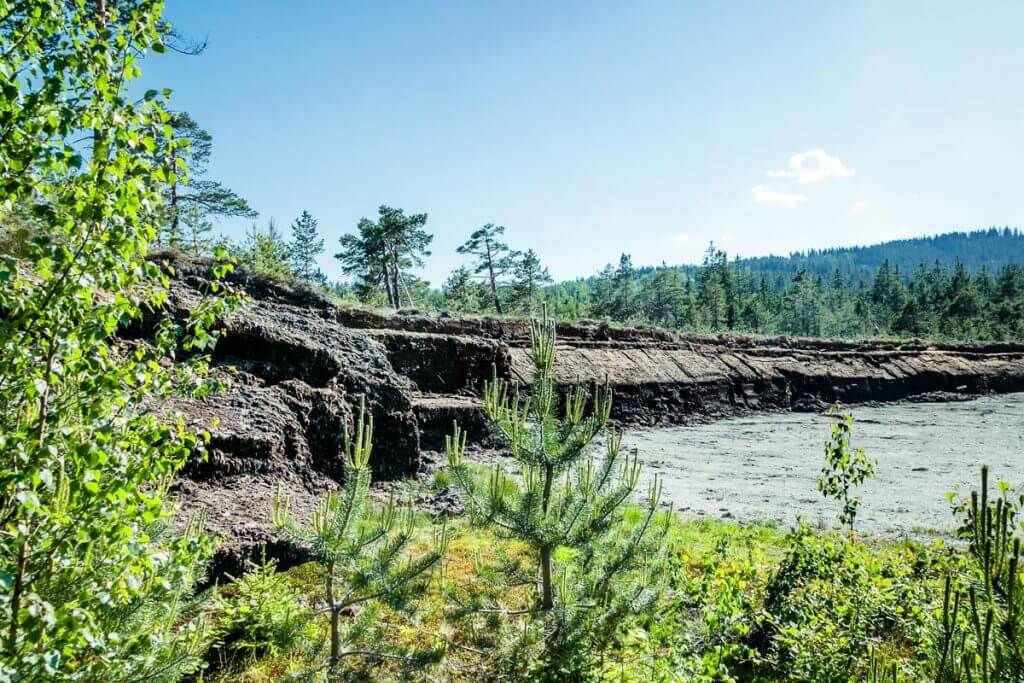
961, 286
955, 286
992, 249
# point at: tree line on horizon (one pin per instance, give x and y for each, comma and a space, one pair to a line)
721, 295
904, 288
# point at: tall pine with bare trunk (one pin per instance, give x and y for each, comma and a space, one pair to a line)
493, 257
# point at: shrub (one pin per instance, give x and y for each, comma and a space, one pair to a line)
701, 631
845, 467
832, 598
258, 614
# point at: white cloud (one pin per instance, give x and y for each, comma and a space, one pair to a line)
813, 166
727, 238
766, 195
859, 206
681, 237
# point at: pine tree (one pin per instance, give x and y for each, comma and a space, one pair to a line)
494, 259
305, 247
566, 500
984, 598
383, 251
529, 276
362, 552
195, 195
266, 252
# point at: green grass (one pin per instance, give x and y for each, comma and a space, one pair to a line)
741, 558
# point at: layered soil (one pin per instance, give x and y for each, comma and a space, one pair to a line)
298, 364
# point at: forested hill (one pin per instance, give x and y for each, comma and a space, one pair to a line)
991, 248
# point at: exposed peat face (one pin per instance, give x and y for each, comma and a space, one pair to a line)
297, 367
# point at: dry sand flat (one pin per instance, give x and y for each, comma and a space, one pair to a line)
765, 467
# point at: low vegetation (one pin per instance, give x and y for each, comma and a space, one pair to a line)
735, 603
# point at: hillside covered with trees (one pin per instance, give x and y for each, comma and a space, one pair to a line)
990, 248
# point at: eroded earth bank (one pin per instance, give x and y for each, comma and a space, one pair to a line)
298, 364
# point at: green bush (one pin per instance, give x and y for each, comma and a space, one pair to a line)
700, 631
831, 599
258, 614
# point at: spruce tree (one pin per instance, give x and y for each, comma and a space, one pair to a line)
801, 314
305, 247
665, 299
567, 505
713, 288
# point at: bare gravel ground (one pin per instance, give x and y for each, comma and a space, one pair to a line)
765, 467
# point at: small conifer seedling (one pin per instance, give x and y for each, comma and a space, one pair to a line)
362, 550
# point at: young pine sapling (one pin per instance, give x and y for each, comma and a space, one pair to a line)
566, 508
981, 633
362, 551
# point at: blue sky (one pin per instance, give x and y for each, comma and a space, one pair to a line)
593, 128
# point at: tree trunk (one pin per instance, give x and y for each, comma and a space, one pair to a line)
174, 197
395, 278
19, 578
547, 592
494, 284
335, 611
386, 271
398, 291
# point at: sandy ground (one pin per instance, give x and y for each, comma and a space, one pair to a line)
766, 467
